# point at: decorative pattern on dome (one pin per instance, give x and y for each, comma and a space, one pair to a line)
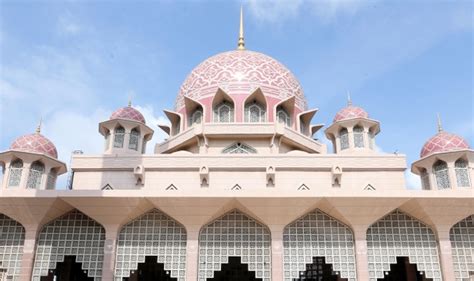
35, 143
350, 112
443, 142
241, 72
128, 113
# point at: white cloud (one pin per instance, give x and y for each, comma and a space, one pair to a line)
67, 25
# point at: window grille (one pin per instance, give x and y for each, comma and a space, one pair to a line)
440, 169
196, 117
134, 139
52, 177
35, 176
283, 116
425, 179
12, 239
119, 136
254, 112
344, 137
358, 136
462, 173
462, 245
16, 169
239, 148
224, 112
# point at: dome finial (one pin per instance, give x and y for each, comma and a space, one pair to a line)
241, 42
349, 100
440, 127
38, 129
130, 101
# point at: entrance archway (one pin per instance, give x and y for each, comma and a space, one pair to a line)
150, 270
68, 270
234, 270
403, 270
319, 270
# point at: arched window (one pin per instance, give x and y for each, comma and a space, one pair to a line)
119, 136
35, 176
425, 179
358, 136
16, 169
440, 169
224, 112
52, 176
254, 112
462, 173
239, 148
344, 137
283, 116
134, 139
196, 117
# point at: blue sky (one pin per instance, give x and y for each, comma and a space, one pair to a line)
74, 62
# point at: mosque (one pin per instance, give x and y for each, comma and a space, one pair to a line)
240, 190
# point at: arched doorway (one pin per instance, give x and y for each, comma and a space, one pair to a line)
403, 270
68, 270
150, 270
234, 270
319, 270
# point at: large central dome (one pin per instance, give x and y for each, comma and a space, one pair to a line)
241, 72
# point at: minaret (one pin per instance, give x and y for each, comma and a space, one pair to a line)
241, 42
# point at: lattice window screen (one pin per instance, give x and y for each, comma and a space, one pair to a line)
462, 243
12, 238
152, 234
399, 235
235, 235
73, 234
318, 235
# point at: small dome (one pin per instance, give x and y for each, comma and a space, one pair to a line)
35, 143
443, 142
128, 112
350, 112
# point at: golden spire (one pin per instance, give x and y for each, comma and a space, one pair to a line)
349, 100
440, 128
38, 129
241, 42
130, 101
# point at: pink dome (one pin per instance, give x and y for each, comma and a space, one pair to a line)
350, 112
35, 143
442, 142
241, 72
128, 113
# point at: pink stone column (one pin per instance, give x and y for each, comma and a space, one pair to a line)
111, 234
192, 254
362, 262
27, 260
445, 254
277, 254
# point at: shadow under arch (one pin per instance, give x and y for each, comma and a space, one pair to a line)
72, 234
398, 234
149, 235
318, 240
235, 234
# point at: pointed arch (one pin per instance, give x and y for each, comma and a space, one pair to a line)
194, 111
134, 138
400, 235
462, 246
73, 234
440, 169
284, 111
461, 168
235, 235
119, 136
12, 237
344, 138
15, 172
223, 107
35, 175
153, 234
358, 132
255, 107
318, 235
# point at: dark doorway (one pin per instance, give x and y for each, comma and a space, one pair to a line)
234, 271
68, 270
403, 270
319, 270
150, 270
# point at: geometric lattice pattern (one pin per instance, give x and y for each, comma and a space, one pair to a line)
318, 235
235, 235
152, 234
442, 142
129, 113
35, 143
462, 244
73, 234
399, 235
350, 112
12, 238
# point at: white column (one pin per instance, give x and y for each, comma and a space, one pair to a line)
445, 253
27, 260
350, 134
452, 175
192, 254
277, 254
362, 262
24, 174
111, 234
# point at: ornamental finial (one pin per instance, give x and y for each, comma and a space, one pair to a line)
440, 127
130, 101
38, 129
349, 100
241, 42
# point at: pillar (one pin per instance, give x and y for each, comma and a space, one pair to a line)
27, 260
192, 254
277, 253
445, 253
110, 246
362, 261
